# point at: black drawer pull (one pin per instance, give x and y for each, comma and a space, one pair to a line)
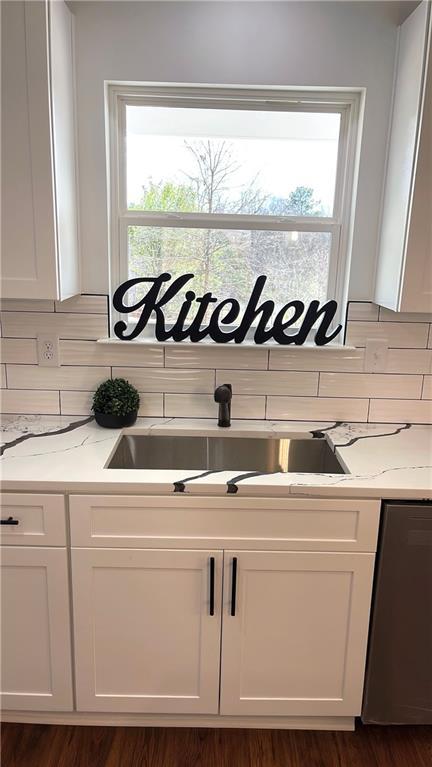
9, 521
234, 586
212, 585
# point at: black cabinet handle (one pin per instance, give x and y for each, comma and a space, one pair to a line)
9, 521
212, 585
234, 586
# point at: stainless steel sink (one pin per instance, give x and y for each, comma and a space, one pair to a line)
216, 453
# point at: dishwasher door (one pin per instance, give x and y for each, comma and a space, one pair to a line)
398, 684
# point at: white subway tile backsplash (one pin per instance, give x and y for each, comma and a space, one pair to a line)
363, 310
19, 350
317, 359
125, 353
427, 387
400, 335
204, 406
168, 380
233, 357
80, 402
71, 378
408, 361
387, 315
269, 382
400, 411
32, 324
76, 402
370, 385
317, 409
178, 380
83, 305
151, 404
26, 305
30, 402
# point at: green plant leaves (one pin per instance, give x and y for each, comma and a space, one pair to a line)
116, 396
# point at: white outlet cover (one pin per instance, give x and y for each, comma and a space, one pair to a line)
48, 351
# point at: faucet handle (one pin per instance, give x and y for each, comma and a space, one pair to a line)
223, 393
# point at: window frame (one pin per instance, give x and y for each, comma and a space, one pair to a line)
348, 103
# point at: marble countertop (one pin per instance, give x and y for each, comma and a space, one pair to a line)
68, 455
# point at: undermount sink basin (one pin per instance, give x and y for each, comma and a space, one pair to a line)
242, 454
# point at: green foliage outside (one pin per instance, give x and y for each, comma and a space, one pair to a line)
227, 262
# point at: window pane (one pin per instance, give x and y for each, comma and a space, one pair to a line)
231, 161
227, 262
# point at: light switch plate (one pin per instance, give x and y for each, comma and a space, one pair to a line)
376, 353
48, 351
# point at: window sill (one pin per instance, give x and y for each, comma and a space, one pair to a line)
333, 347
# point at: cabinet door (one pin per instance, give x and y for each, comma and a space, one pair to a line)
39, 209
28, 234
145, 638
416, 291
61, 53
297, 642
400, 259
35, 630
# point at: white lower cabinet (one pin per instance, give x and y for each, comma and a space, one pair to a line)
35, 629
145, 636
242, 612
296, 643
294, 631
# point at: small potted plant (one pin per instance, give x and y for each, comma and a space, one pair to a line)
116, 403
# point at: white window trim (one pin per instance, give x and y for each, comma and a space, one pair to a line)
349, 103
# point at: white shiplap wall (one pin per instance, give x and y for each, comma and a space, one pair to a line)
179, 380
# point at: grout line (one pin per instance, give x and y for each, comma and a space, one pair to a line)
108, 316
64, 314
255, 395
36, 311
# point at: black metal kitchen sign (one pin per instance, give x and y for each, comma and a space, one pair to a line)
191, 322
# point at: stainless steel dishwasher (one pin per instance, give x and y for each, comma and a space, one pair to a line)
398, 685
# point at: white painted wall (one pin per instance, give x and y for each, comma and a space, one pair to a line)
334, 44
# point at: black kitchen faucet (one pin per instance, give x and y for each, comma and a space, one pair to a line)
223, 395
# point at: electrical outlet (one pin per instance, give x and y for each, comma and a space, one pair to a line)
48, 351
376, 352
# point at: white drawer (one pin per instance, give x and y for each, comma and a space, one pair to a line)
291, 524
39, 519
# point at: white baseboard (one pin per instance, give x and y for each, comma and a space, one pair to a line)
163, 720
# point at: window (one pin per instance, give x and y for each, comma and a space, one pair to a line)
228, 185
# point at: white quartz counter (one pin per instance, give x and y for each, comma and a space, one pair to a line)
69, 455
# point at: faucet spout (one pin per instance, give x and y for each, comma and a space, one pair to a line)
223, 396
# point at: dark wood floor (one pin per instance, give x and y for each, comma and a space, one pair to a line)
30, 745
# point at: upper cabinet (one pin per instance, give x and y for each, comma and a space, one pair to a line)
39, 189
404, 269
